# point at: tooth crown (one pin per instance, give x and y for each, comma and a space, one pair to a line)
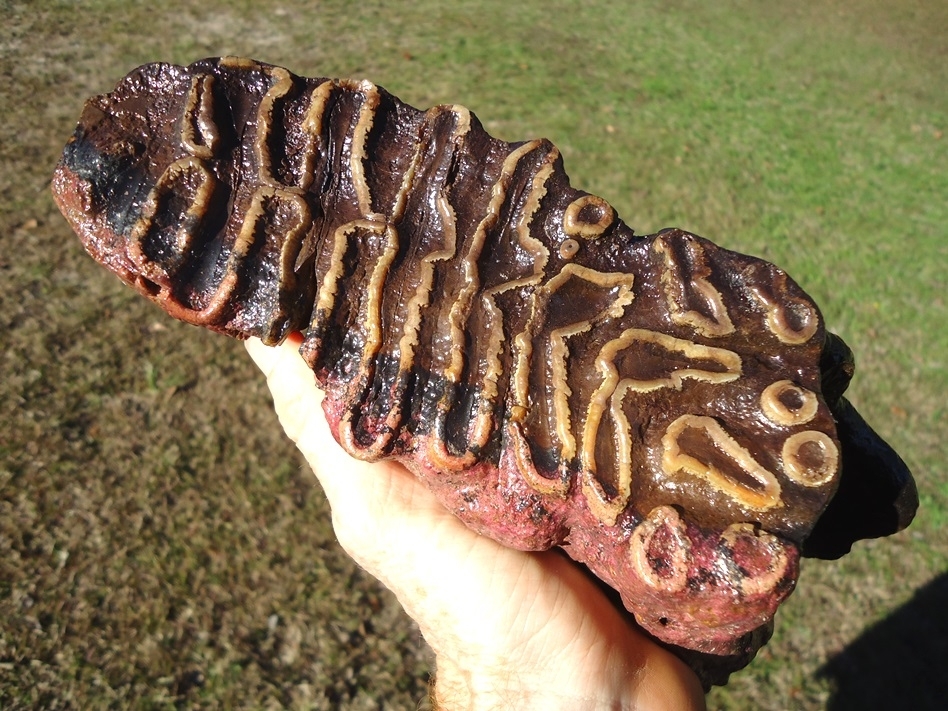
653, 400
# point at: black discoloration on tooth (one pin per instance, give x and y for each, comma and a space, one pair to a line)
877, 495
117, 184
837, 366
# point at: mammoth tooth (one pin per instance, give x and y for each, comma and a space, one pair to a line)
655, 401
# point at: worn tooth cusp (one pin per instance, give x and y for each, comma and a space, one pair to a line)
588, 217
700, 446
755, 558
659, 549
786, 404
810, 458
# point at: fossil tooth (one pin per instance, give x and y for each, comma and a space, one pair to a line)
655, 401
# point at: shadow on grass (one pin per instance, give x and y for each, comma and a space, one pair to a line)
900, 662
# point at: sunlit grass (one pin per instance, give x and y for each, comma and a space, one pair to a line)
144, 500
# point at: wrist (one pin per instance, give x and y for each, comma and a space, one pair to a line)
456, 689
657, 681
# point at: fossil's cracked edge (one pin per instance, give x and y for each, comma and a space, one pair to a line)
667, 411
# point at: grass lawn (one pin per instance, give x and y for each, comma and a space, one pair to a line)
162, 545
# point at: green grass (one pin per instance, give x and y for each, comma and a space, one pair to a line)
152, 518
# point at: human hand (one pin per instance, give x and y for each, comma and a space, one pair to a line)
509, 629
